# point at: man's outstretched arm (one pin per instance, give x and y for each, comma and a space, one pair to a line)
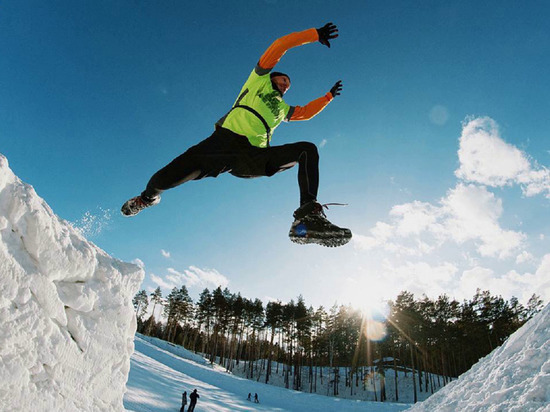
313, 108
280, 46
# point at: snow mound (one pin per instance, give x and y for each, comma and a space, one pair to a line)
66, 317
514, 377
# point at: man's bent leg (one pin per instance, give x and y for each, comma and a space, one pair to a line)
306, 155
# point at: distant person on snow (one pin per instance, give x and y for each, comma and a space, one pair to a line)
256, 398
241, 146
193, 397
249, 397
183, 401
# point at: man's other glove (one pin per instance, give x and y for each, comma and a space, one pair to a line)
326, 33
336, 89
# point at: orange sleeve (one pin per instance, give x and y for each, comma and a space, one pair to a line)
311, 109
280, 46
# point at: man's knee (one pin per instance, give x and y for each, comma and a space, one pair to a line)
309, 149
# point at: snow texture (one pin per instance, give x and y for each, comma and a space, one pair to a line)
67, 322
513, 378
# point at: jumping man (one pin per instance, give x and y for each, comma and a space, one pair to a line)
241, 146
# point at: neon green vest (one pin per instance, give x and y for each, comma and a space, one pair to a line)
257, 111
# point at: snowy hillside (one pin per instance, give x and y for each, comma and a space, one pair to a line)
161, 372
66, 318
514, 377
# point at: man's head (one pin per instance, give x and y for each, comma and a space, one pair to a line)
280, 82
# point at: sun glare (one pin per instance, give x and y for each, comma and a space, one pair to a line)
369, 299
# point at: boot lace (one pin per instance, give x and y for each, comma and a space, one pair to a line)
319, 207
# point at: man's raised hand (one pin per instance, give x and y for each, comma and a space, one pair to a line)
326, 33
336, 89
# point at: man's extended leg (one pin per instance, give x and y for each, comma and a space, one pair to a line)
209, 158
182, 169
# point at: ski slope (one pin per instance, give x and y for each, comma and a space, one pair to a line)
513, 378
159, 375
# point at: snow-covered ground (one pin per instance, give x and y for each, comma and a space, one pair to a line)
161, 372
67, 332
66, 317
513, 378
367, 382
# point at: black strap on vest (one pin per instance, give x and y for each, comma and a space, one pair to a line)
259, 116
251, 110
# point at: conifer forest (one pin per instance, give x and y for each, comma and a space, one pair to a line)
432, 340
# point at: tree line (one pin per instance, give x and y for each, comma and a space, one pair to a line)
433, 340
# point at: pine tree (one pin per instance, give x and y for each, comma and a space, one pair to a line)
205, 316
273, 320
178, 308
156, 298
140, 303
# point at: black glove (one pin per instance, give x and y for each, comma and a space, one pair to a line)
336, 89
326, 33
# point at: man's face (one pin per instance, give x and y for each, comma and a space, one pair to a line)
282, 83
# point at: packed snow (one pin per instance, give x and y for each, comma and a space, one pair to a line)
161, 372
513, 378
67, 322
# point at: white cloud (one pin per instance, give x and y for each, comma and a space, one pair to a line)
323, 143
510, 284
524, 257
487, 159
467, 213
415, 218
165, 253
468, 216
433, 280
416, 277
163, 283
194, 276
471, 213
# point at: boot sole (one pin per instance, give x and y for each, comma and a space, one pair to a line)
129, 212
324, 239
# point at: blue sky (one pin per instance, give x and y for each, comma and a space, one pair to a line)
439, 142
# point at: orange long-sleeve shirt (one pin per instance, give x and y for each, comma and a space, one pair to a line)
272, 56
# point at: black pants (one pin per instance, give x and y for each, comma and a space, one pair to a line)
226, 151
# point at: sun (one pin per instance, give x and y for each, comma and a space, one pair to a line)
368, 297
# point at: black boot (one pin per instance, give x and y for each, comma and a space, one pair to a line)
312, 226
136, 204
